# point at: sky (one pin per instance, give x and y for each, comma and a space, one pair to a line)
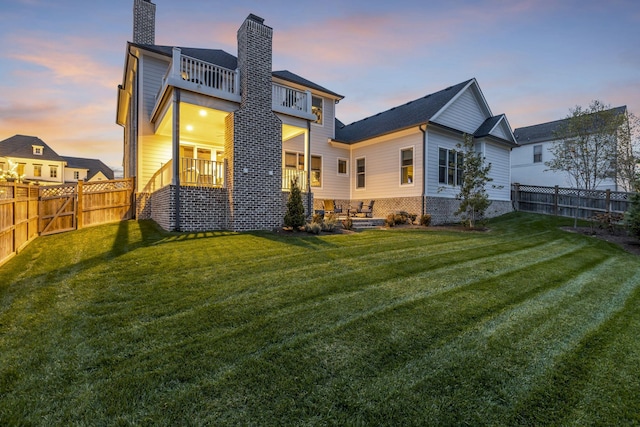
61, 61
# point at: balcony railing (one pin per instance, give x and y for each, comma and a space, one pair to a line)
200, 76
196, 172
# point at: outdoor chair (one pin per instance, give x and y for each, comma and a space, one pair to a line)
356, 209
368, 210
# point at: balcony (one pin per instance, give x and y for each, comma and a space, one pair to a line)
198, 76
193, 172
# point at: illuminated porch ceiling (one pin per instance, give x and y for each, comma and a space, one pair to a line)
204, 124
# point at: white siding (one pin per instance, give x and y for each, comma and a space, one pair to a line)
382, 168
501, 132
465, 113
499, 157
436, 141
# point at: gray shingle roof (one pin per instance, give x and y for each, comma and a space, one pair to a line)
486, 127
226, 60
93, 165
21, 146
547, 131
412, 113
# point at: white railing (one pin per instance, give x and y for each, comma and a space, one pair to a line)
289, 174
290, 98
160, 179
206, 173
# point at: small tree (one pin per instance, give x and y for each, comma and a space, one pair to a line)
632, 216
294, 217
587, 149
473, 196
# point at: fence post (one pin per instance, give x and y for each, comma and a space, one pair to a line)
516, 196
608, 200
555, 201
79, 212
15, 217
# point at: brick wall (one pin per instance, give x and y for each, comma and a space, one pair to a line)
203, 208
144, 22
163, 207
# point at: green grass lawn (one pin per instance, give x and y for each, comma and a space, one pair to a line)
127, 325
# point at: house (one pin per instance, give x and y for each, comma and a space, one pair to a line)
35, 159
534, 150
38, 162
214, 140
90, 170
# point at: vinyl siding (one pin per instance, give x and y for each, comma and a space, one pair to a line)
382, 168
500, 132
464, 114
499, 157
436, 141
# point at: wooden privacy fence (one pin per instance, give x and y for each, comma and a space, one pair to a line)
27, 211
569, 202
18, 217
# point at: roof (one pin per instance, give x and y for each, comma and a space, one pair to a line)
223, 59
21, 146
94, 166
412, 113
488, 125
548, 131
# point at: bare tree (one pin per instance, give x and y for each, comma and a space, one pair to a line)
586, 149
628, 153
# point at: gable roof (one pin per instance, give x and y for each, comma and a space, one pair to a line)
411, 114
548, 131
492, 123
21, 146
93, 166
223, 59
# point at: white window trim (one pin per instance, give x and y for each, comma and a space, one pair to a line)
319, 187
338, 166
413, 164
456, 170
38, 150
534, 153
355, 173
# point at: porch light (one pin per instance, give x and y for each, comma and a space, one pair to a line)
203, 113
189, 128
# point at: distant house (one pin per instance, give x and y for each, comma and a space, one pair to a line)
38, 162
80, 169
214, 140
534, 149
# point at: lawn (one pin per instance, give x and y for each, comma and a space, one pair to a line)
127, 325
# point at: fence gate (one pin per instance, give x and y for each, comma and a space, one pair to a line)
58, 208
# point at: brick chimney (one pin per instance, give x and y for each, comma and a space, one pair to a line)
144, 22
255, 151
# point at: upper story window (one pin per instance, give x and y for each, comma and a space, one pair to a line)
360, 172
343, 167
53, 171
37, 150
37, 170
537, 154
406, 166
450, 167
316, 108
76, 175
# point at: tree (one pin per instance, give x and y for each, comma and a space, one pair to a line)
587, 149
628, 153
473, 196
294, 217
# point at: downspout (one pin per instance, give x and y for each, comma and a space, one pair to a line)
424, 168
307, 161
176, 153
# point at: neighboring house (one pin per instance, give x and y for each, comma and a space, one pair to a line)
534, 150
36, 160
90, 170
214, 140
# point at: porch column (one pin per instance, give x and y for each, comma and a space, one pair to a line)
175, 145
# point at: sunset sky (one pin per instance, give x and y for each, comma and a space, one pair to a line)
61, 61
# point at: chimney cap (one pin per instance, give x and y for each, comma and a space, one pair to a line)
255, 18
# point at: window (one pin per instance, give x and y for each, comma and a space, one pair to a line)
360, 173
316, 108
37, 150
53, 171
406, 166
21, 168
316, 171
537, 154
450, 167
76, 175
37, 170
343, 167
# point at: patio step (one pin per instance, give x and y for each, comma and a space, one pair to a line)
367, 223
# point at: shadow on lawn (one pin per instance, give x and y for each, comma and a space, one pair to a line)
301, 239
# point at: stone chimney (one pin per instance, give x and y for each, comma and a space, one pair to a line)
144, 22
255, 61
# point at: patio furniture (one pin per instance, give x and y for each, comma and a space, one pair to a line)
368, 210
331, 207
355, 210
